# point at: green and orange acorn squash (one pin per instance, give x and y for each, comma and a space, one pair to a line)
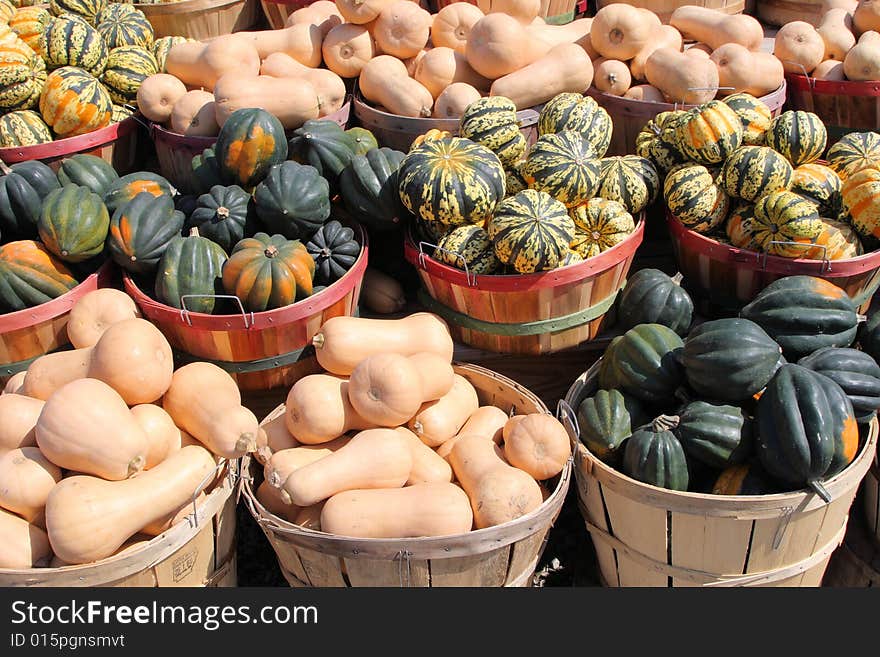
855, 371
189, 273
250, 143
31, 275
141, 230
126, 187
73, 223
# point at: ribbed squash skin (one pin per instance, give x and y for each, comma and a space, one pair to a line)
114, 11
869, 335
656, 140
861, 199
819, 184
643, 362
87, 171
128, 28
531, 231
22, 191
838, 240
73, 102
654, 455
752, 171
74, 43
755, 116
126, 187
579, 113
369, 188
741, 228
451, 181
89, 10
30, 24
694, 198
855, 371
268, 272
205, 173
23, 128
606, 420
22, 78
334, 250
492, 122
599, 225
846, 431
717, 435
630, 180
190, 265
31, 275
514, 178
652, 297
248, 145
222, 215
161, 47
293, 200
784, 221
120, 113
141, 230
853, 152
729, 359
363, 139
803, 314
73, 223
127, 67
798, 135
708, 134
565, 166
324, 145
468, 248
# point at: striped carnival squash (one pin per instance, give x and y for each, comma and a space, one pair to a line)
223, 215
606, 420
740, 227
752, 171
113, 11
127, 67
120, 113
468, 248
88, 171
191, 265
718, 435
695, 198
22, 190
162, 46
855, 371
837, 241
656, 140
451, 181
126, 187
579, 113
643, 362
30, 24
565, 166
268, 271
70, 16
23, 128
293, 200
128, 28
88, 9
652, 297
515, 181
430, 231
708, 134
74, 43
492, 122
74, 102
630, 180
431, 135
754, 114
861, 199
798, 135
73, 223
570, 258
531, 231
368, 186
22, 76
250, 142
599, 225
784, 222
654, 455
820, 184
324, 145
31, 275
7, 10
853, 152
335, 250
141, 230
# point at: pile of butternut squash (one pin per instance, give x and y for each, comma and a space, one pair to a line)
391, 442
105, 446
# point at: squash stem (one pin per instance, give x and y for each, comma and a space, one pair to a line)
820, 490
665, 422
318, 340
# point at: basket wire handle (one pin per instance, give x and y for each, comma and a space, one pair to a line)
810, 81
565, 413
469, 277
202, 485
184, 311
404, 567
826, 263
715, 89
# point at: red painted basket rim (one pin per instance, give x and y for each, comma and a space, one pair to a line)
578, 271
801, 82
755, 261
303, 309
20, 319
70, 145
655, 107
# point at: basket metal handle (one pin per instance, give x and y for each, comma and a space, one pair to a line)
715, 89
811, 81
469, 277
565, 413
248, 318
826, 263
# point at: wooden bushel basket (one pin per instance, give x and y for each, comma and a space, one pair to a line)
260, 350
871, 494
201, 19
197, 552
525, 313
844, 106
504, 555
650, 536
723, 278
856, 564
780, 12
554, 12
278, 11
664, 8
27, 334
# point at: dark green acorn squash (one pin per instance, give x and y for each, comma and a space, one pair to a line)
73, 223
869, 335
846, 431
223, 215
368, 186
654, 456
126, 187
334, 250
30, 275
141, 230
606, 420
717, 435
250, 142
364, 140
205, 173
88, 171
652, 297
324, 145
22, 191
191, 265
293, 200
853, 370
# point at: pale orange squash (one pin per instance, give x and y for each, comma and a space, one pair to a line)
836, 30
452, 102
863, 61
318, 410
292, 104
437, 421
799, 47
385, 81
441, 67
486, 421
866, 16
48, 373
402, 29
26, 477
566, 68
194, 115
830, 69
716, 28
499, 44
14, 383
329, 87
24, 545
539, 445
201, 65
681, 78
645, 92
428, 466
361, 12
620, 31
270, 498
18, 417
273, 437
282, 463
162, 434
611, 76
452, 25
310, 517
182, 514
322, 13
95, 312
664, 36
156, 97
741, 70
301, 41
347, 48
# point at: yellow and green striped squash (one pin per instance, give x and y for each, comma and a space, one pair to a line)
565, 166
74, 102
127, 68
855, 151
161, 47
7, 11
113, 10
695, 198
30, 24
531, 231
452, 181
468, 248
630, 180
820, 184
23, 128
840, 241
515, 181
87, 9
754, 114
784, 221
492, 122
800, 136
120, 113
708, 134
127, 29
861, 198
570, 258
430, 231
740, 227
579, 113
599, 225
656, 140
752, 171
23, 76
75, 43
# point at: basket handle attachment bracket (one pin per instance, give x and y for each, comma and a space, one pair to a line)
248, 318
810, 81
194, 519
826, 263
404, 567
683, 104
565, 414
469, 277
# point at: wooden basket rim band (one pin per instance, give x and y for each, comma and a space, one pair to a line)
70, 145
187, 6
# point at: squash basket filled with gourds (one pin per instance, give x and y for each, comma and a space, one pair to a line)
394, 466
727, 452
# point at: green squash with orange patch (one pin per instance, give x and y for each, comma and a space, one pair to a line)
125, 188
250, 142
141, 230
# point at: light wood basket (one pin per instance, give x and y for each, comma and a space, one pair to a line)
201, 19
505, 555
857, 563
664, 8
871, 495
780, 12
650, 536
197, 552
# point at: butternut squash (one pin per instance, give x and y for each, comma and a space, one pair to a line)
310, 517
347, 49
830, 69
498, 492
162, 434
155, 98
799, 47
510, 425
200, 65
88, 518
97, 311
863, 61
402, 29
866, 17
486, 421
329, 87
566, 68
538, 445
194, 115
270, 498
361, 12
183, 514
48, 373
438, 421
86, 426
24, 545
292, 102
26, 477
620, 31
441, 67
552, 35
611, 76
379, 292
412, 62
282, 463
204, 401
681, 78
664, 36
645, 92
343, 342
14, 383
740, 69
18, 417
525, 11
273, 437
450, 104
428, 466
836, 29
301, 41
716, 28
318, 410
499, 44
699, 53
452, 25
375, 458
849, 5
323, 13
587, 45
427, 509
384, 80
